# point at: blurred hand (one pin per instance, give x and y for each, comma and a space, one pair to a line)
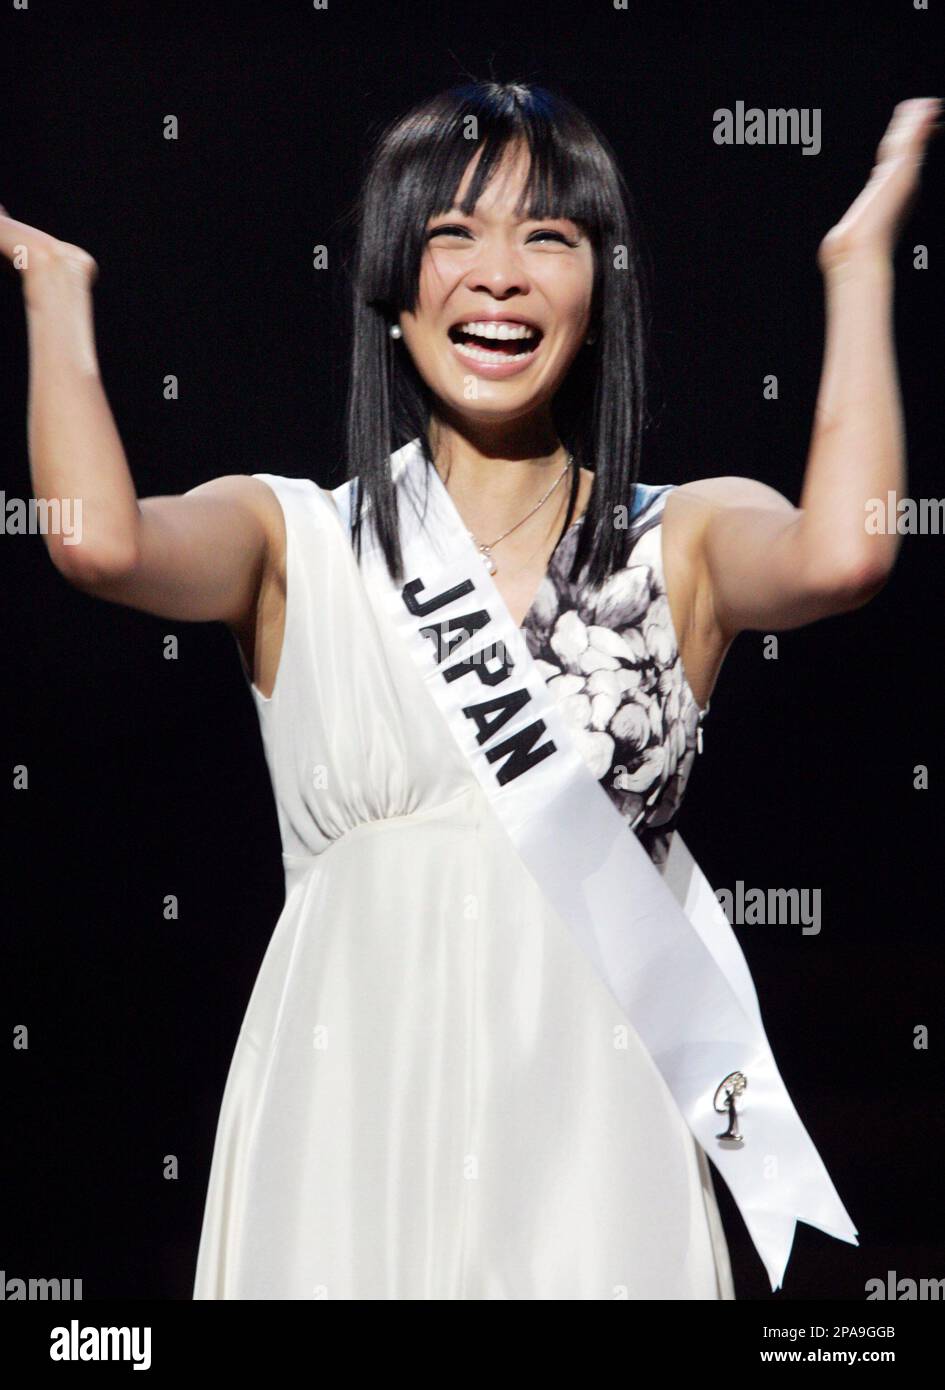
40, 258
871, 224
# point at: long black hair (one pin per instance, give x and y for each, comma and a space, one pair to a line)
414, 172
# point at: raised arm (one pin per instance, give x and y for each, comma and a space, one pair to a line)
199, 556
769, 565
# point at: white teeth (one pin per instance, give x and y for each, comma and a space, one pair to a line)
478, 354
505, 331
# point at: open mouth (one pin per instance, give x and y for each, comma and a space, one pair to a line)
485, 341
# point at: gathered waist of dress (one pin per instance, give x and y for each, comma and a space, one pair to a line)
440, 811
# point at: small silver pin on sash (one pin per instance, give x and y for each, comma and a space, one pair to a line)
701, 716
728, 1092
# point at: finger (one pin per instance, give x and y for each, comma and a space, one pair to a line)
910, 123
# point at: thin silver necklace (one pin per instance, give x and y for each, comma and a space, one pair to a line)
486, 550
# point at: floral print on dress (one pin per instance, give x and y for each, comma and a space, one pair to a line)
610, 658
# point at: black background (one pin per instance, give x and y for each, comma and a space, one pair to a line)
147, 777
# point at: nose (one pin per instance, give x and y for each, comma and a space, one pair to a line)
498, 270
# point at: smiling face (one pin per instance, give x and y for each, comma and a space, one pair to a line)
504, 302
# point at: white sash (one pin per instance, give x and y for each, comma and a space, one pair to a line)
662, 944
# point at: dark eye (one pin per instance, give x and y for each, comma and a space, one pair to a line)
451, 229
447, 230
558, 236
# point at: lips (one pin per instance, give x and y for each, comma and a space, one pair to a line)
495, 339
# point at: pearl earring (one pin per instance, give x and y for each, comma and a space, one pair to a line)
590, 339
395, 330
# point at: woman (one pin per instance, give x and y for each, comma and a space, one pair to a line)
434, 1093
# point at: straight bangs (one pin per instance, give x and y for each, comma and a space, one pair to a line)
417, 167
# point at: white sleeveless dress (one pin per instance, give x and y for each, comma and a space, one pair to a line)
433, 1095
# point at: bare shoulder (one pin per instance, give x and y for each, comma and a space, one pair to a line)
732, 491
690, 506
245, 491
707, 495
687, 512
259, 501
258, 631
